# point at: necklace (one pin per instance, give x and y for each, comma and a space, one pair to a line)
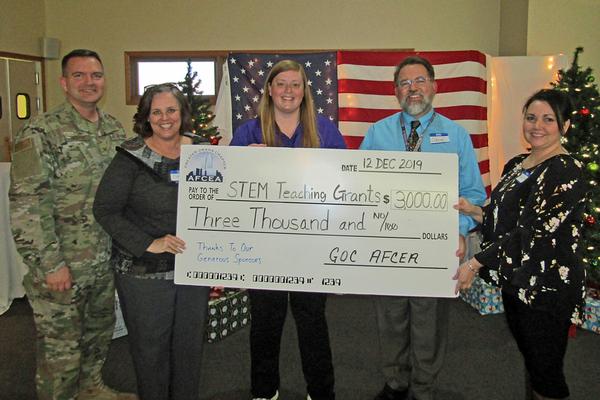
163, 149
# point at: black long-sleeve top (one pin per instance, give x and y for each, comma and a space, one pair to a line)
531, 235
136, 202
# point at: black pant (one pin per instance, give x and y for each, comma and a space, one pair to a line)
542, 339
166, 325
269, 309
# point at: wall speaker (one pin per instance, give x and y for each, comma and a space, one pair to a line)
50, 48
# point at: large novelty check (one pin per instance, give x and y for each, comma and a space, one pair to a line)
319, 220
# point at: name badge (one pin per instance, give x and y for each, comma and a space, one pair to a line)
438, 138
174, 175
523, 177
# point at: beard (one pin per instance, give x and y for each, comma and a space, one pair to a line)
416, 108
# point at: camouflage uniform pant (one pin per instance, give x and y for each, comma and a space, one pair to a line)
74, 330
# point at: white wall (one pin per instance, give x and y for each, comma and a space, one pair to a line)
22, 24
559, 26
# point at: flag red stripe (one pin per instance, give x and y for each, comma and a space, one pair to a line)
479, 140
465, 83
391, 58
484, 166
463, 112
450, 57
372, 115
363, 114
352, 142
386, 88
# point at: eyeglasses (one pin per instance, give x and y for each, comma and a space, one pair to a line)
418, 81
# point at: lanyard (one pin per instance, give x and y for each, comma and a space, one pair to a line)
405, 137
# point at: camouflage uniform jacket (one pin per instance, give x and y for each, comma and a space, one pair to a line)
58, 160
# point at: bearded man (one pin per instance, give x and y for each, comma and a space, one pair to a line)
413, 330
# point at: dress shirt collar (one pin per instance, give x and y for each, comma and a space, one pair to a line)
424, 120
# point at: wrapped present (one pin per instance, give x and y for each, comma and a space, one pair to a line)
120, 329
591, 314
227, 314
485, 298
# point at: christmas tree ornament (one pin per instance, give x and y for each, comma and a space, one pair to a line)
585, 111
592, 167
590, 220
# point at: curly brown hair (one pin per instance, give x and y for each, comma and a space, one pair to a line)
141, 125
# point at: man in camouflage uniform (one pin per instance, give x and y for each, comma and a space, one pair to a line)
58, 160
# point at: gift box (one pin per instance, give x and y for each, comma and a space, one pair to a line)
485, 298
591, 314
227, 314
120, 329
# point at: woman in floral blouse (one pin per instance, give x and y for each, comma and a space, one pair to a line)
531, 230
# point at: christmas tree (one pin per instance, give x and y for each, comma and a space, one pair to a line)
582, 142
200, 106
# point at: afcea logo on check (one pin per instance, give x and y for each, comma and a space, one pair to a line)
204, 166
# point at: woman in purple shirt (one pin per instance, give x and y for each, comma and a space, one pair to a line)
287, 118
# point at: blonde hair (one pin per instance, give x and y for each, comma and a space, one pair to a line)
308, 117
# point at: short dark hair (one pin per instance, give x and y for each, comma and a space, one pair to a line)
141, 125
78, 53
414, 60
557, 100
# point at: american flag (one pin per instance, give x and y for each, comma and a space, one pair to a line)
361, 91
248, 72
366, 93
